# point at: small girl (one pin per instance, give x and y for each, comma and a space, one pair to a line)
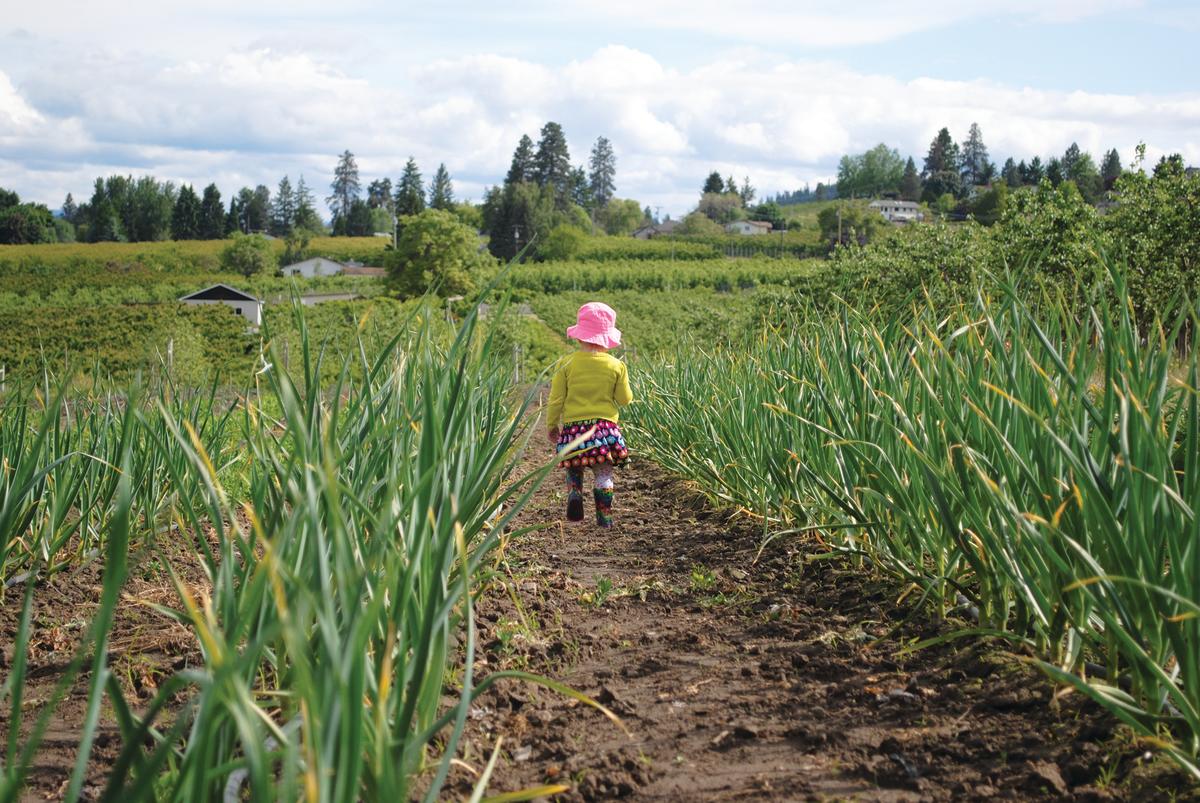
588, 388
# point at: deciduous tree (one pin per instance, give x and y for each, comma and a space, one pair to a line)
436, 252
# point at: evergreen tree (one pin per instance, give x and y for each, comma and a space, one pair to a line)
1035, 173
233, 220
441, 190
212, 214
185, 218
1012, 173
941, 170
603, 171
974, 158
307, 218
713, 184
910, 182
579, 189
410, 193
258, 211
358, 220
70, 211
1110, 171
345, 186
1070, 157
552, 162
283, 209
379, 194
1054, 171
942, 156
731, 186
522, 162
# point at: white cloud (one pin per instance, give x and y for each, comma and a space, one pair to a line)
249, 116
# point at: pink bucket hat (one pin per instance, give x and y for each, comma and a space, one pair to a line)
597, 325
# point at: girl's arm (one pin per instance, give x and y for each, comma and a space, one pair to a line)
558, 395
622, 395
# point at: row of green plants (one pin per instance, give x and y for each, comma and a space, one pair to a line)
176, 255
661, 323
1037, 468
351, 517
648, 274
188, 345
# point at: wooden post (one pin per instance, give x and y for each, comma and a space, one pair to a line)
2, 373
171, 356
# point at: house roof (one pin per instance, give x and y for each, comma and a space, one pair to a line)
888, 202
219, 292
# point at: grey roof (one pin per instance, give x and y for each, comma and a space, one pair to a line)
219, 292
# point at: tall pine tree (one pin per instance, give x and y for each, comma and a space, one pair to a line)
283, 208
185, 217
1110, 170
602, 172
552, 162
346, 188
975, 162
212, 214
522, 162
306, 218
441, 190
410, 193
910, 182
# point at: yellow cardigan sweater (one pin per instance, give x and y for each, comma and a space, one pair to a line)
587, 385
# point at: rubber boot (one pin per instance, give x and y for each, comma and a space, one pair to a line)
604, 501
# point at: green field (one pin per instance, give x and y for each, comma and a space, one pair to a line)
1004, 422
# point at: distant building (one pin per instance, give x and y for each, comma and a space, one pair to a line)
749, 227
656, 230
898, 211
243, 304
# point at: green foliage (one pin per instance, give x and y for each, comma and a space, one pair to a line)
721, 208
563, 243
27, 224
1155, 230
850, 222
647, 274
436, 252
249, 255
870, 174
700, 225
663, 322
621, 216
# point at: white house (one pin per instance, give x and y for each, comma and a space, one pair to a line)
314, 266
243, 304
898, 211
749, 227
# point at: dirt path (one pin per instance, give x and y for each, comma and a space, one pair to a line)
755, 681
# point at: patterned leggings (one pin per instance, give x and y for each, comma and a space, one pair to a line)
602, 493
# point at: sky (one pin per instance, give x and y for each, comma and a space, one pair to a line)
244, 93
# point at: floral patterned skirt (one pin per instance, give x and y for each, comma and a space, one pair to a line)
605, 445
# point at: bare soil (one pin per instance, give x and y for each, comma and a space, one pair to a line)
772, 677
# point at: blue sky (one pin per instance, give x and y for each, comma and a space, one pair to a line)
243, 94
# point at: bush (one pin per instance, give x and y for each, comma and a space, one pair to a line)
564, 242
250, 255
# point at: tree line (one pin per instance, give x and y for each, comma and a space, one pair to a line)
543, 191
959, 171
